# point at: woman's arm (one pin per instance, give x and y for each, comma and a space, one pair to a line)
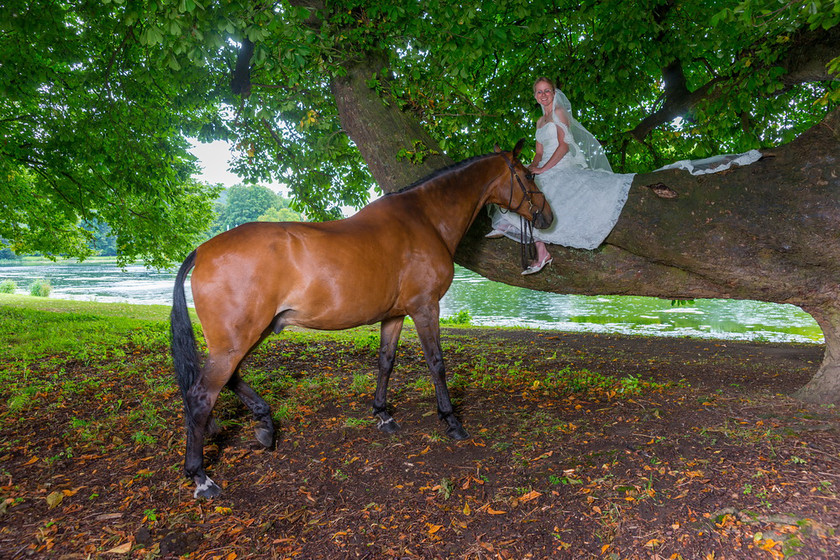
537, 157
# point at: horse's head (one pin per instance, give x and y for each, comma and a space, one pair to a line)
519, 193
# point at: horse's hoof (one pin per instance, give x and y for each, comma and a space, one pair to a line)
265, 437
458, 433
388, 425
207, 489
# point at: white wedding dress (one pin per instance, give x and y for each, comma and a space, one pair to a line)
585, 196
586, 202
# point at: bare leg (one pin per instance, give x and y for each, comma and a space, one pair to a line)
542, 253
388, 338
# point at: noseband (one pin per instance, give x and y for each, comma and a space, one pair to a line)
526, 229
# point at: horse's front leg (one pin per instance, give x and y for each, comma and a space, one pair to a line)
389, 337
428, 329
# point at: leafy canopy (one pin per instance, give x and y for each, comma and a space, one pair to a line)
97, 97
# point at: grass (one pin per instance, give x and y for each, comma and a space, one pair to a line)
31, 328
36, 330
55, 354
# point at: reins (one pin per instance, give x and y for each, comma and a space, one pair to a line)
528, 249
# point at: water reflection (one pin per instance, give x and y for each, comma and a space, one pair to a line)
499, 304
488, 303
96, 282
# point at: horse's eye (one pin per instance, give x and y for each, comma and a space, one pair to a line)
529, 176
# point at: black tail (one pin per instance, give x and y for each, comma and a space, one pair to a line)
184, 352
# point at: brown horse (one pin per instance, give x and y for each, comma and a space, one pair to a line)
391, 259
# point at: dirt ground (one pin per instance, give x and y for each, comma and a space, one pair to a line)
699, 453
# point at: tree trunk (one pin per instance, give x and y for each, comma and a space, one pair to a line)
826, 382
767, 231
381, 129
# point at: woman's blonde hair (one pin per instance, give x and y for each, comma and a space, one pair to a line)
546, 80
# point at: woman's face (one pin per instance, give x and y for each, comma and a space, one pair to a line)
544, 94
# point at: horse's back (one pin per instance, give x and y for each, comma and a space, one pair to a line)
330, 275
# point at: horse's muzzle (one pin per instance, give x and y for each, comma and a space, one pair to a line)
540, 221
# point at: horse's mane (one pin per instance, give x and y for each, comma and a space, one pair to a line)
435, 174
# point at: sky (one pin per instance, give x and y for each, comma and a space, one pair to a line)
214, 158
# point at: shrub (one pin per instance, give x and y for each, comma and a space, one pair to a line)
463, 317
40, 288
8, 287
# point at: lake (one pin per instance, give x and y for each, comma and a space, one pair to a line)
489, 303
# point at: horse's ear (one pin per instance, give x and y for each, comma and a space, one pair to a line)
496, 148
518, 147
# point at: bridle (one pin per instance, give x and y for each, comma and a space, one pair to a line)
526, 229
535, 212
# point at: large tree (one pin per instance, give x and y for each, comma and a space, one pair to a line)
334, 97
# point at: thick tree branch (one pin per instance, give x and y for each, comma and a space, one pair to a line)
808, 56
240, 83
804, 62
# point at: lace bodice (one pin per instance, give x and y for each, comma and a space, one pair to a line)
547, 136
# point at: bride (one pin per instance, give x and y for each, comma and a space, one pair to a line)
573, 172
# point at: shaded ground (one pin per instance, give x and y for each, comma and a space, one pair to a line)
656, 448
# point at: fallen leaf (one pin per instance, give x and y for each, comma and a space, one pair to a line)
532, 495
467, 509
421, 453
543, 456
122, 549
223, 510
54, 499
433, 528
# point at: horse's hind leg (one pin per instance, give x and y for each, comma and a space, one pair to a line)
200, 399
259, 408
389, 337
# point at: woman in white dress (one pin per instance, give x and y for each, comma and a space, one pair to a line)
572, 170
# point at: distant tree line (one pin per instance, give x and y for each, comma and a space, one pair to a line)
236, 205
250, 203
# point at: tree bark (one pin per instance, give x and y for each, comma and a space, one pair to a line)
381, 129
